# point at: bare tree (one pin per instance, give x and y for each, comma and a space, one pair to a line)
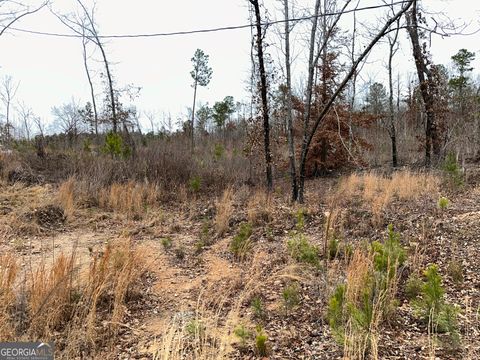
348, 76
86, 27
151, 117
8, 91
40, 138
25, 115
263, 87
12, 11
68, 118
89, 78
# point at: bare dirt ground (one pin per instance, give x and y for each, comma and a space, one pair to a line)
191, 280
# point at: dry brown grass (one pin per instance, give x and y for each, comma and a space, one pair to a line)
259, 208
130, 198
379, 191
8, 274
20, 204
49, 295
358, 277
56, 302
66, 197
224, 212
362, 330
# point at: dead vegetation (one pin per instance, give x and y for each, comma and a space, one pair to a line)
242, 276
80, 306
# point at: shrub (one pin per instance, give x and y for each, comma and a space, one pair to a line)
195, 184
241, 243
413, 286
243, 334
302, 251
432, 308
390, 255
455, 271
166, 242
261, 342
218, 151
452, 170
443, 203
115, 146
258, 307
333, 247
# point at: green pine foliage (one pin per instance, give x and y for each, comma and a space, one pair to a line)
241, 243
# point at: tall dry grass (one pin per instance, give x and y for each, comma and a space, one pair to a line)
369, 299
259, 207
8, 274
130, 198
66, 197
79, 306
378, 191
224, 212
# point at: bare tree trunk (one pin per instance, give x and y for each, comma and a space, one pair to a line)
313, 61
97, 41
90, 83
392, 128
192, 123
348, 76
7, 94
424, 78
263, 92
290, 138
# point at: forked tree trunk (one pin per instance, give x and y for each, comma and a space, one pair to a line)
348, 76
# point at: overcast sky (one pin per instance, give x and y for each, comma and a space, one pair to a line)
50, 69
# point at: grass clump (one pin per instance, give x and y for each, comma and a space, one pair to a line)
302, 251
432, 308
300, 220
241, 243
358, 307
455, 271
224, 211
291, 297
333, 248
180, 252
413, 286
166, 243
195, 328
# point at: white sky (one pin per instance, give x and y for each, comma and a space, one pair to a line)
50, 70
